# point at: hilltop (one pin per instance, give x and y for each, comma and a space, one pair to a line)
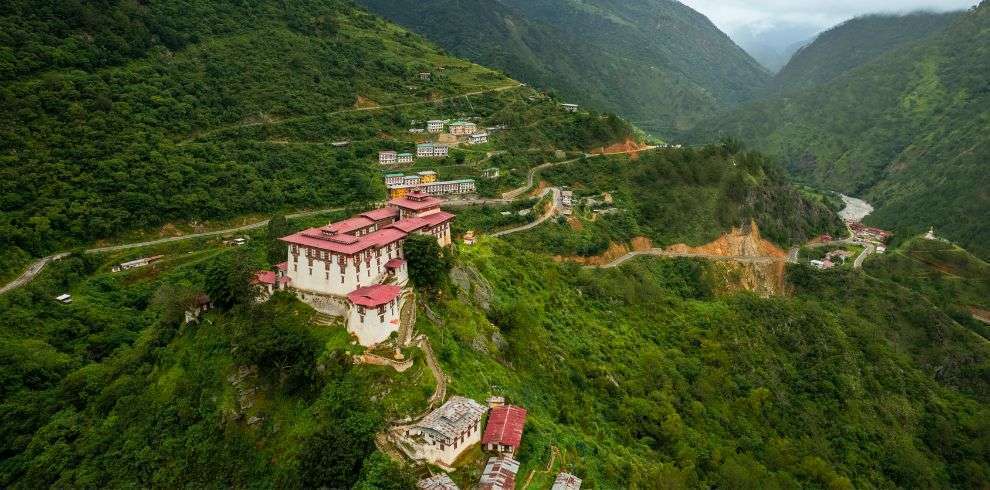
904, 131
658, 63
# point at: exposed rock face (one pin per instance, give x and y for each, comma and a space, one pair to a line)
615, 250
739, 242
471, 283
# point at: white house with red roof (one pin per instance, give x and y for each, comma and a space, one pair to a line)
356, 268
504, 431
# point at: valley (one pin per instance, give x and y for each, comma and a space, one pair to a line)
574, 244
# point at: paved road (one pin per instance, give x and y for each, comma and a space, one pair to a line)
867, 251
658, 252
32, 271
554, 206
345, 111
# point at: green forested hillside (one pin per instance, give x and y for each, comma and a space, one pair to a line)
656, 62
906, 131
124, 115
635, 376
855, 43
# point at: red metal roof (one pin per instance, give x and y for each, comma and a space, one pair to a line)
284, 266
314, 238
438, 218
382, 213
268, 278
395, 264
384, 237
505, 426
374, 296
410, 225
349, 225
416, 203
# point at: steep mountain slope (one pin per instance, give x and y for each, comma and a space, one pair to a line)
907, 131
855, 43
656, 62
132, 116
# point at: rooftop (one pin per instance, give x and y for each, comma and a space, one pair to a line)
416, 201
410, 225
499, 474
350, 225
382, 213
566, 481
374, 296
453, 417
505, 426
438, 482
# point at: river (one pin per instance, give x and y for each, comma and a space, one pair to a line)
855, 210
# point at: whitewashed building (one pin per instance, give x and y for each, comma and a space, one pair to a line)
404, 158
478, 138
566, 481
356, 268
387, 157
431, 150
441, 436
570, 107
435, 126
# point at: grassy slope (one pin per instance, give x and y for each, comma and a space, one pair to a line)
659, 64
904, 131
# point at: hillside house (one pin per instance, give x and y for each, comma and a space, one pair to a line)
387, 157
443, 188
200, 304
427, 176
478, 139
499, 474
432, 150
271, 281
435, 126
462, 128
356, 268
136, 263
491, 173
445, 433
393, 179
425, 76
504, 431
437, 482
405, 158
566, 481
65, 298
570, 107
410, 180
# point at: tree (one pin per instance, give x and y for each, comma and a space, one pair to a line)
278, 227
228, 280
427, 263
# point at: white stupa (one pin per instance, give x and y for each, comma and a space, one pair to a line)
931, 234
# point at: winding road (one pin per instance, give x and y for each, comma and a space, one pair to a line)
659, 252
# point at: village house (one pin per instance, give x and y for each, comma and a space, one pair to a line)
499, 474
387, 157
427, 176
65, 298
504, 431
462, 128
356, 268
411, 180
404, 158
136, 263
570, 107
566, 481
437, 482
491, 173
444, 434
393, 179
270, 281
201, 303
432, 150
425, 76
478, 139
469, 238
443, 188
435, 126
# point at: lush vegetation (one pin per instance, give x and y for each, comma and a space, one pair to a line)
659, 64
855, 43
680, 196
906, 131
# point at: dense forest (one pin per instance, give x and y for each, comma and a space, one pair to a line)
906, 131
135, 116
661, 65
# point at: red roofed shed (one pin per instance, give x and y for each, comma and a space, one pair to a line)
375, 296
505, 428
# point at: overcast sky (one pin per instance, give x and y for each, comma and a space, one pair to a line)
732, 16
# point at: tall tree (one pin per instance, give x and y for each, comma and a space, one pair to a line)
427, 263
278, 227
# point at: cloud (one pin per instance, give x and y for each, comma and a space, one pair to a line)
755, 16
